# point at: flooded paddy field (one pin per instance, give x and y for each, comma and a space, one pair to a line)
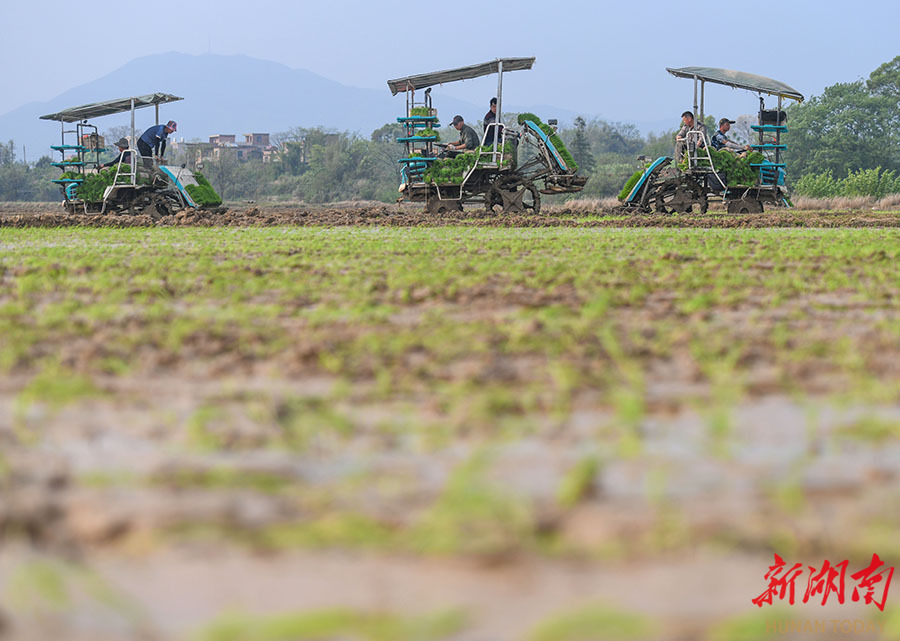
359, 423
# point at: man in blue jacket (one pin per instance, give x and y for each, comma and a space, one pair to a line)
153, 141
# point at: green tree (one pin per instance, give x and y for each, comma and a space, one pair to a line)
846, 128
7, 153
386, 151
581, 147
885, 80
388, 133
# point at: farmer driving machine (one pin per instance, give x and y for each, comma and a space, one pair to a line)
134, 184
745, 183
509, 170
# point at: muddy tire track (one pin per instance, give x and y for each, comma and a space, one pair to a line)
394, 216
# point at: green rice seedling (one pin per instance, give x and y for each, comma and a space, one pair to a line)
891, 629
203, 193
221, 477
594, 621
872, 429
40, 585
329, 531
54, 386
630, 183
737, 169
473, 517
199, 432
578, 482
554, 138
45, 586
332, 624
789, 494
749, 627
95, 184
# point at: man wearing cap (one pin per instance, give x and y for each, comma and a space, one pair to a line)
720, 140
124, 155
153, 141
468, 139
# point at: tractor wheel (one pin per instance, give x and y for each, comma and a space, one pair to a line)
435, 206
745, 207
137, 204
678, 195
703, 203
132, 207
165, 204
513, 196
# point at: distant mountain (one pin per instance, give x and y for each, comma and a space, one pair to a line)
222, 94
230, 94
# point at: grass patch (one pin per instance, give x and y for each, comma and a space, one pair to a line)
474, 517
593, 622
57, 387
871, 429
749, 627
578, 482
332, 624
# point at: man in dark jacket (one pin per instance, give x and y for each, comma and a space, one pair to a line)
720, 139
489, 119
152, 142
123, 157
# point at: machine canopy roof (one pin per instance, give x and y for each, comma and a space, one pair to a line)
109, 107
739, 80
425, 80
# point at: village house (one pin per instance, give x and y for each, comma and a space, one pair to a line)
255, 146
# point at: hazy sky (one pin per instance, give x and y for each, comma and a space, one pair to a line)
599, 58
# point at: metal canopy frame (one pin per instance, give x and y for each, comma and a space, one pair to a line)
409, 84
110, 107
425, 80
738, 80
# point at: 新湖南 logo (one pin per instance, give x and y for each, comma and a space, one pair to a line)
870, 584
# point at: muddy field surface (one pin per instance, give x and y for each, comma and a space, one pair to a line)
407, 215
476, 434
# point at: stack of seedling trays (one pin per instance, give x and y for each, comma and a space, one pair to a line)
73, 174
420, 134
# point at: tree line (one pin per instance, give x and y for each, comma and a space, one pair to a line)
845, 141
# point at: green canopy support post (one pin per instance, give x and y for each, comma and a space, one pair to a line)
778, 134
499, 103
695, 98
702, 91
